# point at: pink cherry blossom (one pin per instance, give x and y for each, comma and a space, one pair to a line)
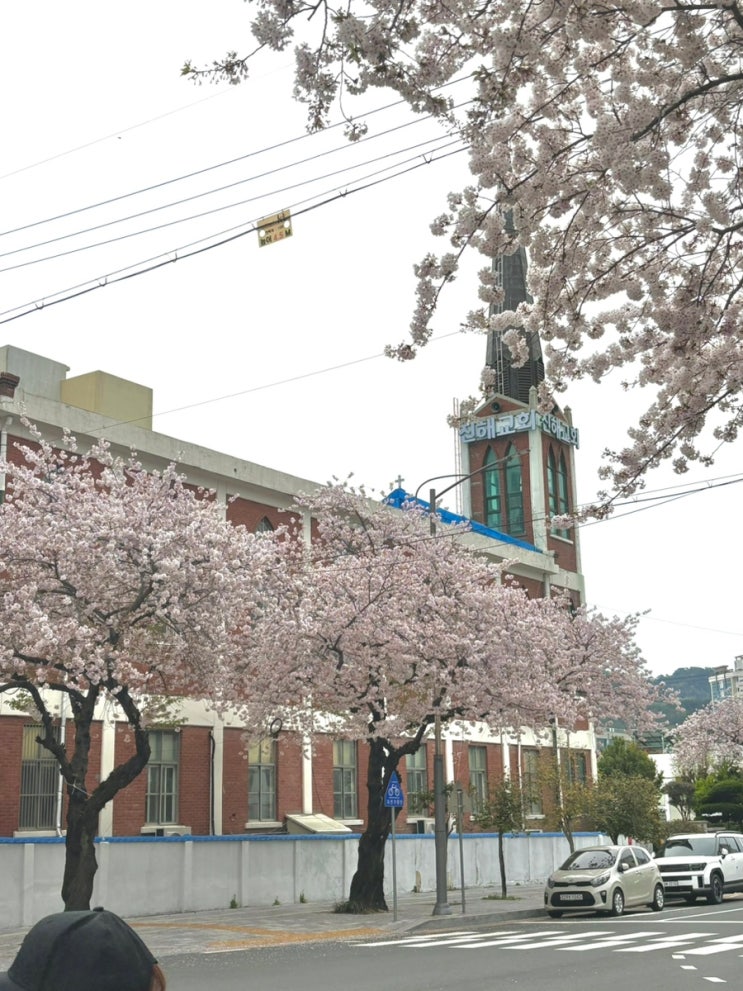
392, 626
119, 586
710, 737
611, 133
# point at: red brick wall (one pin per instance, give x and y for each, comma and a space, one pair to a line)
289, 775
234, 783
129, 804
243, 512
235, 780
194, 779
11, 739
322, 776
193, 784
11, 744
533, 588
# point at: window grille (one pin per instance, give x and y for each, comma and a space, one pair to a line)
39, 782
531, 784
262, 782
478, 766
417, 777
344, 780
162, 777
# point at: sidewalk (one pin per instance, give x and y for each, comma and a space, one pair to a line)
224, 930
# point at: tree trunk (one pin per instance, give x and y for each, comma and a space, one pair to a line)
502, 865
83, 808
367, 884
567, 829
80, 860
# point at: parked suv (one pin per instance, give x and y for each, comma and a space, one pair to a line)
693, 865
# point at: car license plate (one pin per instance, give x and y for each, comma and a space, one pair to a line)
571, 898
672, 884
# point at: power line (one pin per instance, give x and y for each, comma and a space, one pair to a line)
173, 255
107, 137
207, 213
240, 158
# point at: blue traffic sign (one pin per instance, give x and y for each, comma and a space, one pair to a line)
393, 797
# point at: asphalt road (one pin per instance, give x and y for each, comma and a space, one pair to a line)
684, 947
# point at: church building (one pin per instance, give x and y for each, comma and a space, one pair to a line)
517, 471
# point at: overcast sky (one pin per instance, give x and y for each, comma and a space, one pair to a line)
274, 354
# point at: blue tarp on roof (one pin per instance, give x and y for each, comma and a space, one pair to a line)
398, 497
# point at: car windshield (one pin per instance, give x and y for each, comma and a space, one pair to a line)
589, 860
682, 846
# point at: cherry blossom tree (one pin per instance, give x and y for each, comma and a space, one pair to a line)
605, 139
393, 628
118, 585
710, 739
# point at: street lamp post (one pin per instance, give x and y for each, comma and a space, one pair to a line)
440, 830
442, 906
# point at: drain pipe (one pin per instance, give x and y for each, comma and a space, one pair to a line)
60, 783
4, 453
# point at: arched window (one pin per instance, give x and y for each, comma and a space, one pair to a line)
265, 526
504, 495
514, 492
557, 490
551, 483
493, 500
562, 486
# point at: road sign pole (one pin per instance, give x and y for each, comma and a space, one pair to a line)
394, 868
393, 800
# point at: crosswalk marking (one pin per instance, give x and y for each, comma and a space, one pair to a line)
717, 946
664, 943
508, 942
553, 941
612, 941
685, 944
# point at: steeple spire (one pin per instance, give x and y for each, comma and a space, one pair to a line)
514, 383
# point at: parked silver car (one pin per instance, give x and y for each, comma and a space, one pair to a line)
605, 879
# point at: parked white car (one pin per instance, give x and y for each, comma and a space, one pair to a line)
702, 865
605, 879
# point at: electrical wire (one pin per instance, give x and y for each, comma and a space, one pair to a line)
107, 137
240, 158
159, 261
229, 206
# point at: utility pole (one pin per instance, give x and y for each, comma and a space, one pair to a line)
441, 832
442, 906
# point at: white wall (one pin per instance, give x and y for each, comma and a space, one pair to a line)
153, 876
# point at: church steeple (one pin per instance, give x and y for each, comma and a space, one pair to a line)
514, 383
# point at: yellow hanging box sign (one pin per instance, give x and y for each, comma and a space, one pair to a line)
275, 228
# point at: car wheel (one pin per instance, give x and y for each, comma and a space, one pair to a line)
617, 902
659, 899
554, 915
714, 896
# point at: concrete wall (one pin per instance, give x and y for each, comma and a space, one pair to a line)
157, 875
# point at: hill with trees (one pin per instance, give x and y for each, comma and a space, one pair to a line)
691, 685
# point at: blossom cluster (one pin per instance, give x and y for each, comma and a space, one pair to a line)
393, 622
612, 135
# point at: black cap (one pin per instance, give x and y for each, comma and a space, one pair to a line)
80, 951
